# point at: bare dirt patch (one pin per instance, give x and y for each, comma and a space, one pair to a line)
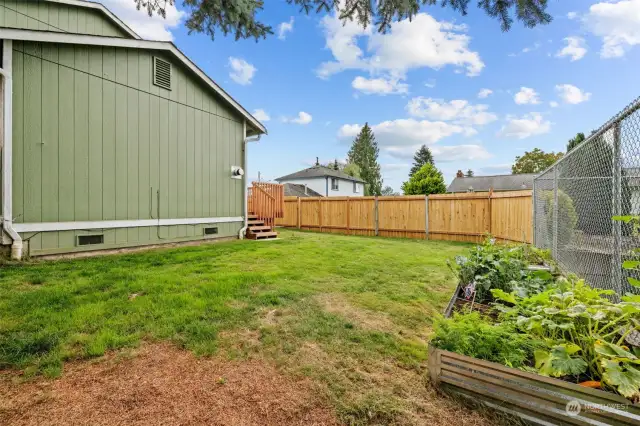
337, 304
163, 385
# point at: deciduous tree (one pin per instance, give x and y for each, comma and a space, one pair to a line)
534, 161
427, 180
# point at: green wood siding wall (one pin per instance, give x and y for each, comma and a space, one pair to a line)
46, 16
94, 139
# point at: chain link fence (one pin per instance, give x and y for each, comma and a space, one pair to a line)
575, 199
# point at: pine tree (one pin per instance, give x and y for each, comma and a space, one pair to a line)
241, 18
427, 180
469, 173
422, 157
364, 152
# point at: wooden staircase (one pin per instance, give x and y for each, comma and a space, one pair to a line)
258, 230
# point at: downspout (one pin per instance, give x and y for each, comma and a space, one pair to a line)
244, 180
7, 185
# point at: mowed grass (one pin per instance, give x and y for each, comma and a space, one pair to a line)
353, 313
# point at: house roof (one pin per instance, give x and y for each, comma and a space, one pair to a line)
298, 190
319, 172
100, 8
497, 183
254, 127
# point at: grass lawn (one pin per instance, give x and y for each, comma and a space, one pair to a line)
353, 314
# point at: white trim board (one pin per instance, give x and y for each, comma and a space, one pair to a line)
102, 8
114, 224
64, 38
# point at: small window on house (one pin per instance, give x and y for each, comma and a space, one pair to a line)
355, 187
334, 184
161, 73
89, 240
211, 231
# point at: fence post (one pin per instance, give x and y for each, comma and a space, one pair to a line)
490, 211
616, 259
348, 227
554, 246
426, 216
299, 213
320, 213
533, 214
375, 214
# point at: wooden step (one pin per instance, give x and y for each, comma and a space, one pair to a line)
255, 222
252, 216
262, 235
259, 228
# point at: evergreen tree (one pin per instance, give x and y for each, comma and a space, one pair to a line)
423, 156
364, 153
469, 173
574, 142
240, 18
427, 180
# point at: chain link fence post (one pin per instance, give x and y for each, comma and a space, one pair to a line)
616, 258
554, 246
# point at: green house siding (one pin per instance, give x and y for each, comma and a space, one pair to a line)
47, 16
94, 139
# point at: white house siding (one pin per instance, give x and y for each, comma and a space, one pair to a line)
321, 184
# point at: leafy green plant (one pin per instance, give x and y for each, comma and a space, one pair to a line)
500, 266
585, 330
567, 216
474, 335
633, 264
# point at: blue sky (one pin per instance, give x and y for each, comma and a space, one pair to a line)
320, 81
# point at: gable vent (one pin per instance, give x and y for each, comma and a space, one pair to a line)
161, 73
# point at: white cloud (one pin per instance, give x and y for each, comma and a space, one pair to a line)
484, 93
495, 169
526, 95
525, 126
261, 115
379, 86
570, 94
405, 132
284, 28
148, 27
442, 154
431, 83
241, 71
458, 111
575, 48
572, 15
553, 104
617, 23
303, 118
535, 46
421, 42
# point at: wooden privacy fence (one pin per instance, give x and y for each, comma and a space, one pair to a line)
454, 217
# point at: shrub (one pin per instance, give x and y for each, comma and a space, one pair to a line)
567, 217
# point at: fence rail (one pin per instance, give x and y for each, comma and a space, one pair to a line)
455, 217
266, 201
576, 198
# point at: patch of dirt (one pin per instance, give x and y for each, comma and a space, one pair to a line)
337, 304
163, 385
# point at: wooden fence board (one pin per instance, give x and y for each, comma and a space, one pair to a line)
455, 217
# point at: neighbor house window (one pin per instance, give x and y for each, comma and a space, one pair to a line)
334, 184
355, 187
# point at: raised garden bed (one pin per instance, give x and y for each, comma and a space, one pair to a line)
534, 398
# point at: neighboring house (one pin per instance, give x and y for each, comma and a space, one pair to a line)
111, 141
327, 182
297, 190
497, 183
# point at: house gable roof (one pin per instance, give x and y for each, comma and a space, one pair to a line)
319, 172
101, 8
298, 190
497, 183
254, 127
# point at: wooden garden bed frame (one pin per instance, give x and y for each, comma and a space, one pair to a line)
536, 399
